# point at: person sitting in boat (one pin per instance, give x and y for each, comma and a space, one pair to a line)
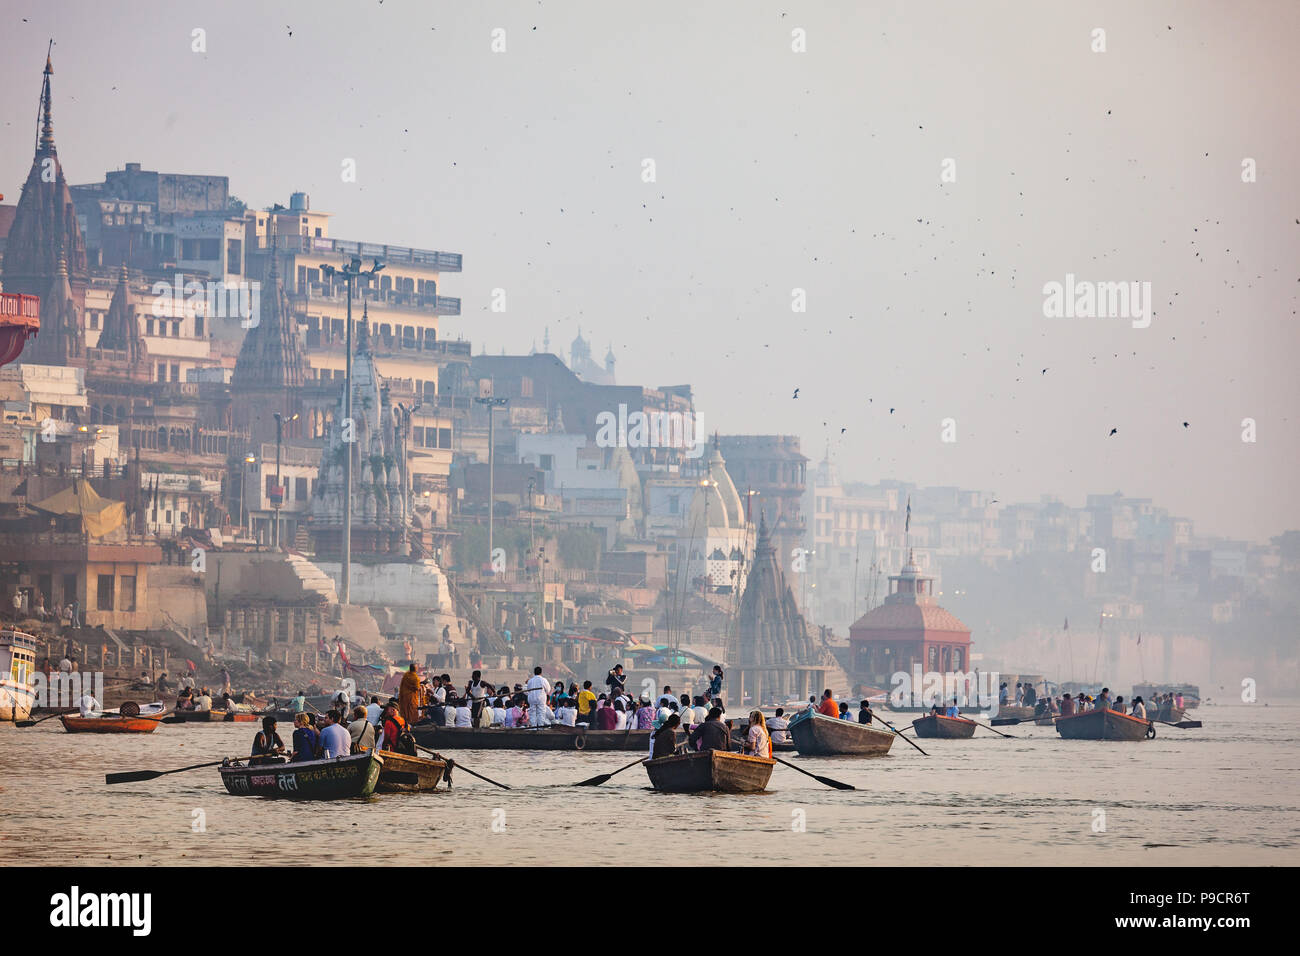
1103, 700
606, 717
777, 727
567, 713
391, 727
934, 710
1118, 705
89, 706
844, 711
267, 745
299, 704
335, 741
864, 712
758, 743
952, 710
1179, 700
204, 701
1067, 706
306, 739
710, 735
185, 699
828, 705
1139, 708
362, 732
663, 742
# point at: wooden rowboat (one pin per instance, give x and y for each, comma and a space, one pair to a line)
210, 717
405, 774
710, 770
1104, 725
555, 737
816, 735
335, 779
949, 728
108, 724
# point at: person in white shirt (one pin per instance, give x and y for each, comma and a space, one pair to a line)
538, 688
450, 715
498, 713
335, 741
203, 701
665, 697
374, 712
620, 715
567, 714
777, 727
464, 717
89, 706
699, 713
509, 720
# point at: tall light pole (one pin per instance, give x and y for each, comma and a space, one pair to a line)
277, 498
492, 405
350, 272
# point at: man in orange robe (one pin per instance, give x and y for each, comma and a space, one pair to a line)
410, 697
828, 705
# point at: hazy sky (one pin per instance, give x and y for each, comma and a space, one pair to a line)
779, 170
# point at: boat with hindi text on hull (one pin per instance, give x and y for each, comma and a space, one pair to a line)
332, 779
405, 774
555, 737
943, 727
710, 770
1104, 724
816, 735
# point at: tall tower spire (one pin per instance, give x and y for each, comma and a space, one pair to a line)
45, 144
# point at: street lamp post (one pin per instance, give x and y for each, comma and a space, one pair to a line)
350, 272
277, 499
492, 405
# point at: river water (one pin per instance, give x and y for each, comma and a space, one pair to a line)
1226, 794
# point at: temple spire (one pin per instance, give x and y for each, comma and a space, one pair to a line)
46, 142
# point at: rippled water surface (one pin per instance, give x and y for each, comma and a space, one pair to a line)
1226, 794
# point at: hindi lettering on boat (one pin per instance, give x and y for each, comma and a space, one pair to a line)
334, 779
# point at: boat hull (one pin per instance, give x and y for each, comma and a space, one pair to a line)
816, 735
710, 771
108, 724
405, 774
1103, 725
337, 779
521, 738
946, 728
210, 717
16, 700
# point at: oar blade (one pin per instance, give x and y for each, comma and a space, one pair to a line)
132, 776
837, 784
26, 723
1189, 724
593, 781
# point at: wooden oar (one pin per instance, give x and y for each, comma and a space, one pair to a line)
998, 732
132, 776
41, 720
601, 778
1182, 724
881, 720
838, 785
461, 766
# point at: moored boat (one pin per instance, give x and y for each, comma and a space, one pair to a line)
710, 770
335, 779
17, 667
1103, 725
209, 717
108, 724
405, 774
949, 728
816, 735
555, 737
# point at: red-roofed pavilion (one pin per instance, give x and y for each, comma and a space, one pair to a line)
907, 630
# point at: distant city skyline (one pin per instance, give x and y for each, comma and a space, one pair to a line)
777, 171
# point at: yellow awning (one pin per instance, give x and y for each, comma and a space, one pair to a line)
99, 516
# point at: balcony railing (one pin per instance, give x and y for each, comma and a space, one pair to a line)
442, 261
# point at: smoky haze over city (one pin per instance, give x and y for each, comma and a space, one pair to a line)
736, 386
